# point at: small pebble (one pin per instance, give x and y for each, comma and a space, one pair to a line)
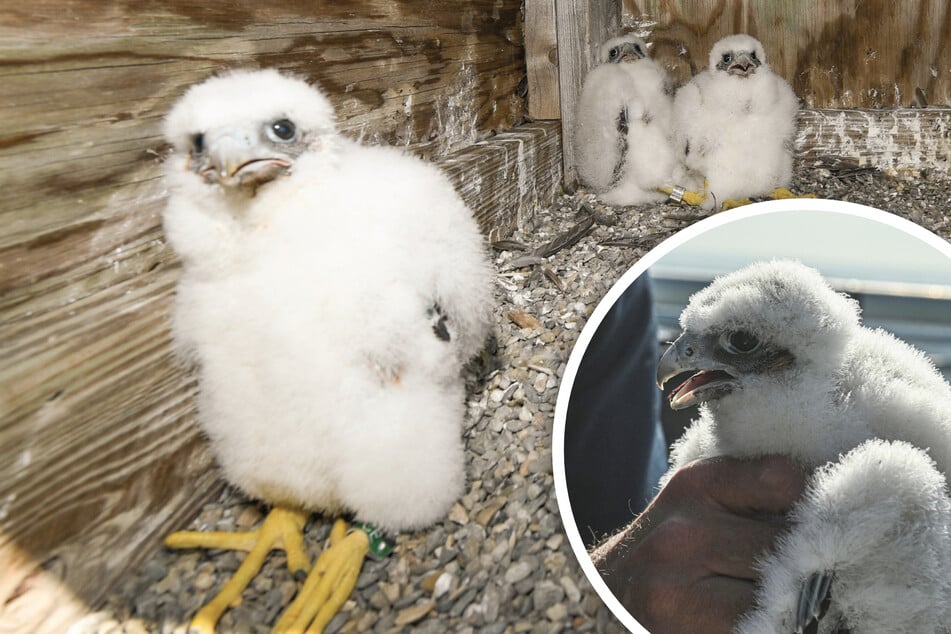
414, 613
557, 612
458, 514
571, 589
519, 571
204, 580
443, 585
248, 517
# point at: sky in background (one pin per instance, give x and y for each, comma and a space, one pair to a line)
841, 245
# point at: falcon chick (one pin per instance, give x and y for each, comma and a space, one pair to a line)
781, 364
624, 125
735, 124
329, 296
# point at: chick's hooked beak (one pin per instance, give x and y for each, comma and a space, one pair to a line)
631, 53
743, 65
237, 158
711, 379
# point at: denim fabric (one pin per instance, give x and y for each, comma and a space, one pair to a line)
615, 449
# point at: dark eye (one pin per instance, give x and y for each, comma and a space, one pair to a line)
614, 53
639, 50
739, 342
198, 143
753, 56
727, 58
281, 130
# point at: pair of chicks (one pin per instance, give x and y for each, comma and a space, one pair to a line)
726, 135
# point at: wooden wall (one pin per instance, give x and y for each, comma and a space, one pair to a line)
836, 54
581, 27
99, 454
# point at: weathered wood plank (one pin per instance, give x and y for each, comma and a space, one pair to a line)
852, 54
583, 26
505, 178
541, 59
86, 84
902, 141
99, 451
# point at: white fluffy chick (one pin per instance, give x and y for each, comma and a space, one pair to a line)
781, 364
623, 133
330, 294
735, 123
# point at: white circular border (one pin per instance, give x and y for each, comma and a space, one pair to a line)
639, 268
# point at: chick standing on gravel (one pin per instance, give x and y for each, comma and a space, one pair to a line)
328, 382
624, 125
735, 123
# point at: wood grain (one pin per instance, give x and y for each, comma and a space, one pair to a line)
901, 142
506, 178
541, 59
851, 54
583, 26
99, 453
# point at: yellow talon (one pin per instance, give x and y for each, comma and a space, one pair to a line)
282, 528
329, 583
731, 203
694, 199
781, 193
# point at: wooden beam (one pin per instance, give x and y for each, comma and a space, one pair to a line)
899, 141
583, 25
506, 178
541, 59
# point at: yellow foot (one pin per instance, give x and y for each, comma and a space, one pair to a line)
282, 528
329, 583
731, 203
680, 194
781, 193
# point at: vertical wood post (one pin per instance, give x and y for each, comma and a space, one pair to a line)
541, 59
583, 25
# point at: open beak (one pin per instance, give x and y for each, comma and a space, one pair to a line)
630, 54
234, 159
743, 65
710, 380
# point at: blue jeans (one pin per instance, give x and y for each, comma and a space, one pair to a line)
615, 450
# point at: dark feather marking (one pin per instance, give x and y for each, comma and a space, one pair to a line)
623, 119
623, 123
600, 218
566, 239
509, 245
813, 626
439, 320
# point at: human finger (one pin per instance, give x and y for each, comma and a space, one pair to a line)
669, 604
769, 484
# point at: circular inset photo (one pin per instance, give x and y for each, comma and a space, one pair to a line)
753, 432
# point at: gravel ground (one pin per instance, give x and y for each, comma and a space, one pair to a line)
500, 561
